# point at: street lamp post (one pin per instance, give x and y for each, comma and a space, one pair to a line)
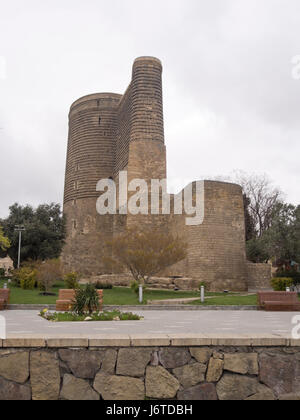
19, 229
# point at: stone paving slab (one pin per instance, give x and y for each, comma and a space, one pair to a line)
156, 307
159, 328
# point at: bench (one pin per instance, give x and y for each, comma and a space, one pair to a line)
66, 299
4, 298
278, 301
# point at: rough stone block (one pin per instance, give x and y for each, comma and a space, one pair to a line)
242, 363
215, 370
119, 387
133, 362
10, 391
160, 384
75, 389
234, 387
203, 392
263, 394
202, 355
173, 357
190, 375
84, 364
15, 367
44, 375
280, 372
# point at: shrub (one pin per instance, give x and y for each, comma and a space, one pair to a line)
280, 284
295, 275
48, 273
86, 300
103, 286
15, 279
71, 280
2, 273
25, 277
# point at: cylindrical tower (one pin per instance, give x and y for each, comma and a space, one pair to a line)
90, 157
147, 121
216, 248
147, 150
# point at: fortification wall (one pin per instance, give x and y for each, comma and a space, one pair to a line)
259, 276
216, 248
217, 252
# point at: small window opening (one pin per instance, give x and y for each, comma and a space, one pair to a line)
99, 120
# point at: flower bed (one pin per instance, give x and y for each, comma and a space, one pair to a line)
102, 316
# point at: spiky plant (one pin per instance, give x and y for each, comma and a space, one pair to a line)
86, 300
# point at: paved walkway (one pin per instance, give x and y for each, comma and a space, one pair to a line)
224, 323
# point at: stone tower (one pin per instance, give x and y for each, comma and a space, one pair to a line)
109, 133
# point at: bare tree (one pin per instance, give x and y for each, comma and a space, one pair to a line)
48, 273
144, 253
263, 198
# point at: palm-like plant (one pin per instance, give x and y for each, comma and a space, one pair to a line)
86, 300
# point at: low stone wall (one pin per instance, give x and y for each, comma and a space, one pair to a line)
259, 276
168, 283
123, 370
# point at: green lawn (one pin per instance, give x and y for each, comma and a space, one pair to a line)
229, 300
116, 296
125, 296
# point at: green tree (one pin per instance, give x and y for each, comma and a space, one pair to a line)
4, 242
44, 236
258, 250
281, 241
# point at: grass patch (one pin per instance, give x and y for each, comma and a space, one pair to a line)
27, 297
229, 300
125, 296
115, 296
104, 317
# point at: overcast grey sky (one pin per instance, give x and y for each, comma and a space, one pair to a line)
229, 96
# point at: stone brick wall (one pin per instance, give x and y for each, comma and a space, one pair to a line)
123, 132
163, 373
90, 157
216, 248
259, 276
